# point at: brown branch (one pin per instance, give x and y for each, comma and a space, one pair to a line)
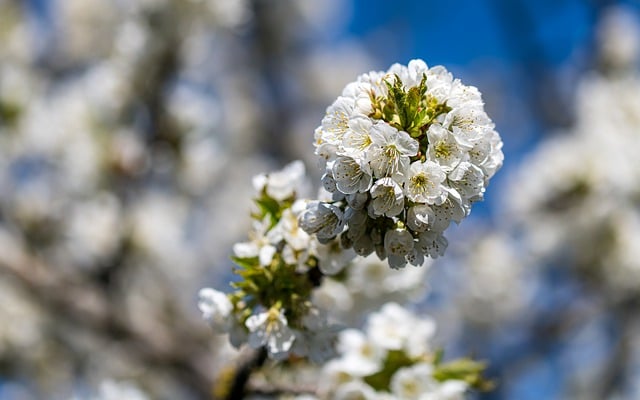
238, 387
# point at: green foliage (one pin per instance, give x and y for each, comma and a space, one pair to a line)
464, 369
411, 110
276, 284
246, 263
9, 113
395, 360
269, 207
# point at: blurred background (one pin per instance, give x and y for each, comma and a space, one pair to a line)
130, 130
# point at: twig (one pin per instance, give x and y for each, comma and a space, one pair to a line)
238, 387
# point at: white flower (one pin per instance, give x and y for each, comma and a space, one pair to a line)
467, 123
317, 340
389, 154
420, 217
282, 184
487, 153
398, 243
216, 308
305, 397
94, 228
395, 328
387, 198
412, 383
357, 140
439, 84
448, 390
332, 258
323, 219
369, 276
357, 201
443, 148
328, 182
336, 121
334, 374
358, 220
350, 176
332, 295
432, 244
390, 327
415, 257
416, 69
361, 356
468, 180
270, 329
425, 183
450, 210
417, 383
287, 229
363, 245
464, 96
260, 245
355, 390
113, 390
326, 151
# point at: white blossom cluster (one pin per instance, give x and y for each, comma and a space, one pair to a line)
503, 280
577, 196
391, 359
272, 305
582, 200
90, 191
365, 285
405, 152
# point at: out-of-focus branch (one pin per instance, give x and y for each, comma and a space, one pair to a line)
617, 366
85, 305
272, 47
238, 386
241, 384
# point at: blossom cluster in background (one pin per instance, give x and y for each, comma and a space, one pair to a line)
582, 201
392, 358
559, 272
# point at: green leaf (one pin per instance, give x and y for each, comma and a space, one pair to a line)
246, 262
466, 370
9, 113
437, 357
270, 207
395, 360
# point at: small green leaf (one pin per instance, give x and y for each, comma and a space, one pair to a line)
395, 360
466, 370
246, 262
268, 205
437, 357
